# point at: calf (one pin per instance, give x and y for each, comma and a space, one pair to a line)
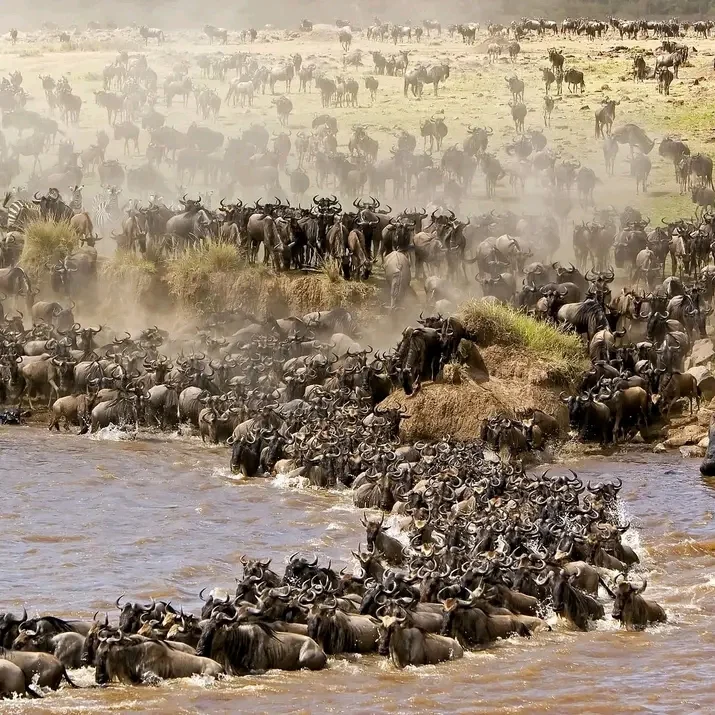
73, 409
677, 385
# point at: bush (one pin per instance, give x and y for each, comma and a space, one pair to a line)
47, 242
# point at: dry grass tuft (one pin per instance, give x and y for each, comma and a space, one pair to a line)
203, 277
46, 242
213, 278
126, 268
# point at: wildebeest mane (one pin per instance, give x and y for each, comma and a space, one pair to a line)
236, 646
59, 625
591, 315
330, 631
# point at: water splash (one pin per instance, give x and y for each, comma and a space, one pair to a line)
114, 434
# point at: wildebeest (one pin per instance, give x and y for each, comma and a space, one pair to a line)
44, 667
66, 647
408, 645
339, 632
640, 169
632, 610
131, 659
574, 80
244, 647
13, 681
635, 137
665, 79
465, 621
572, 604
606, 116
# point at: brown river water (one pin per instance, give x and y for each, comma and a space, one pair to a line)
86, 519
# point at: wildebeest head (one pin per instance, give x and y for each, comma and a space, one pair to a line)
624, 594
458, 610
116, 659
91, 641
299, 570
326, 626
10, 628
392, 618
31, 640
373, 529
211, 629
131, 613
657, 326
217, 601
102, 673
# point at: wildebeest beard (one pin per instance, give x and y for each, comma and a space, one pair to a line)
325, 629
237, 647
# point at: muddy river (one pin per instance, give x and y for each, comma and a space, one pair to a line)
86, 519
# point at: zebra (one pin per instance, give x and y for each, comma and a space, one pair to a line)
76, 201
106, 206
21, 212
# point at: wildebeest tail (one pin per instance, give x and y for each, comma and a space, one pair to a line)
32, 693
606, 587
66, 676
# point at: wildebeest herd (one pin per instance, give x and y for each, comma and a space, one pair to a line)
313, 160
485, 549
488, 549
481, 549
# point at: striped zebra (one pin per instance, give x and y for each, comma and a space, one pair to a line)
105, 208
76, 200
20, 212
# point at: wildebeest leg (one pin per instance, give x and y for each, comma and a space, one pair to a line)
55, 389
584, 429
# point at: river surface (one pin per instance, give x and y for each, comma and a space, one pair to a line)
87, 519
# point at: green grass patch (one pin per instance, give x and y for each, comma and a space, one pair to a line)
668, 207
47, 242
494, 324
